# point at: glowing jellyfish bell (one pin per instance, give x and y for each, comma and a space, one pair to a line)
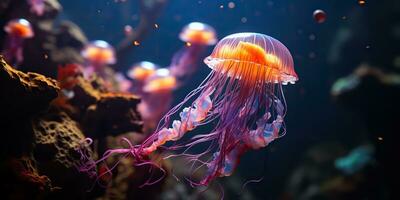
161, 81
19, 28
142, 70
99, 52
242, 98
253, 57
198, 33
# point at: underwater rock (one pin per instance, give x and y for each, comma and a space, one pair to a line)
19, 91
22, 96
58, 143
113, 114
24, 181
102, 113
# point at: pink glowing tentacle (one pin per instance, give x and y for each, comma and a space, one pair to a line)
190, 118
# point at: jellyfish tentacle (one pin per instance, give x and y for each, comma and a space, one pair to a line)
191, 117
265, 132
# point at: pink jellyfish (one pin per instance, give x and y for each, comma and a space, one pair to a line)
98, 54
197, 37
37, 6
18, 30
139, 73
241, 98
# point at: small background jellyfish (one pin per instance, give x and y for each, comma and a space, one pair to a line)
98, 54
139, 73
17, 31
242, 97
156, 97
37, 6
197, 36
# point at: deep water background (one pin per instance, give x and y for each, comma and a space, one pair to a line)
320, 58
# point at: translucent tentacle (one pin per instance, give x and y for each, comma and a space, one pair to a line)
191, 117
266, 132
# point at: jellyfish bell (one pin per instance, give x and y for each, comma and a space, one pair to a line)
198, 33
19, 28
99, 52
253, 57
241, 98
161, 81
142, 70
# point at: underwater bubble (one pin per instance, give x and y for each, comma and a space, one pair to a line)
319, 16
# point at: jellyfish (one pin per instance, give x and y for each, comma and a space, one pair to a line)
242, 99
37, 6
17, 31
139, 73
156, 97
98, 54
197, 37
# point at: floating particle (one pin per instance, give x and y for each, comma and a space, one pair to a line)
156, 25
361, 2
128, 30
231, 5
221, 6
312, 55
319, 16
45, 56
311, 37
136, 43
243, 20
380, 138
344, 17
188, 44
368, 46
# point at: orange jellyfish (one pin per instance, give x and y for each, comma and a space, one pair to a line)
241, 99
98, 54
139, 73
197, 37
156, 97
17, 31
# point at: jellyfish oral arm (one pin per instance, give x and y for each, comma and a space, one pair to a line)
266, 132
191, 117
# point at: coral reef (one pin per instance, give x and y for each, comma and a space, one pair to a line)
374, 95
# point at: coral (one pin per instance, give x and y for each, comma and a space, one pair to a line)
374, 95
